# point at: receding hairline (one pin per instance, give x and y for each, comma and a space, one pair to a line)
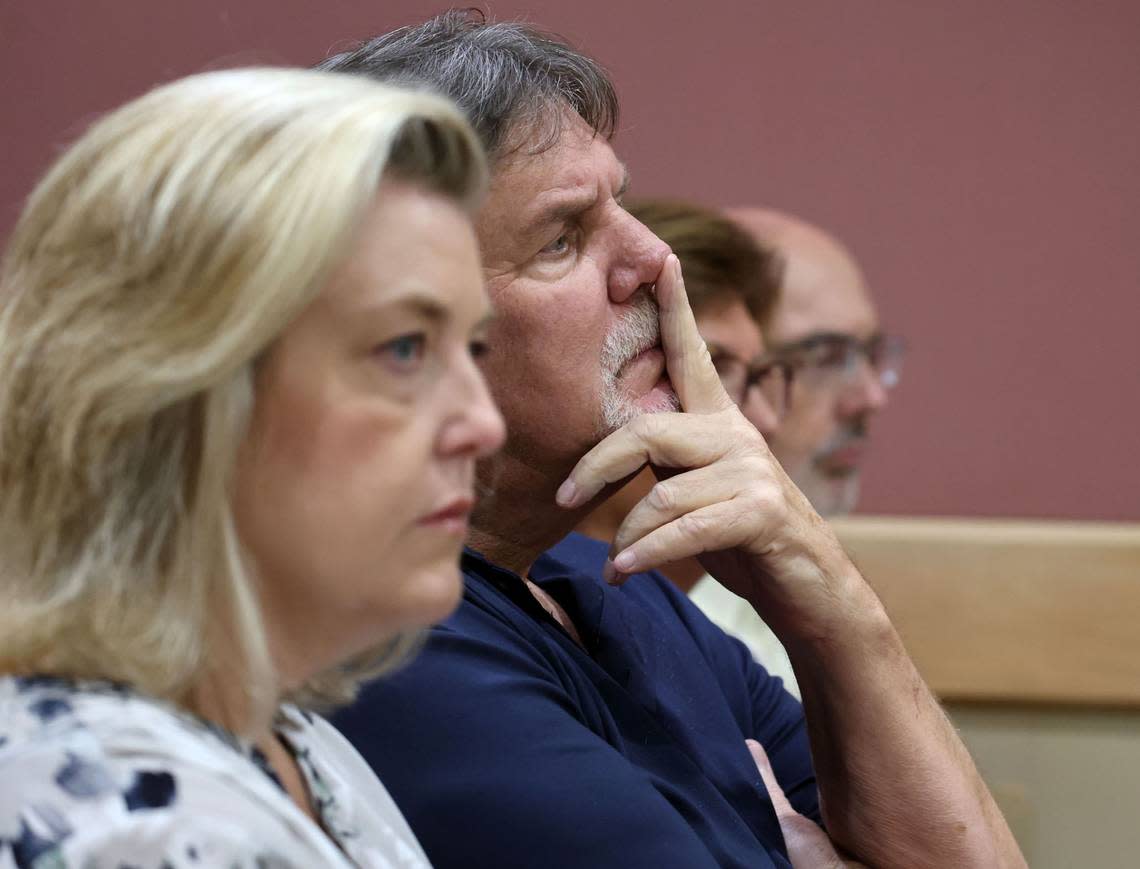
506, 76
810, 252
786, 232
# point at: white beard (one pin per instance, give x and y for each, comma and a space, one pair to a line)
639, 330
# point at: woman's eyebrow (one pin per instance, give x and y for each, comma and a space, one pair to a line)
421, 302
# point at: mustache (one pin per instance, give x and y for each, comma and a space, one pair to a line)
638, 330
854, 432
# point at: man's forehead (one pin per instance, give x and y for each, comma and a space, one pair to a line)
576, 147
531, 192
823, 292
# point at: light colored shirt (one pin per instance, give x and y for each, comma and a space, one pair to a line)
736, 617
94, 775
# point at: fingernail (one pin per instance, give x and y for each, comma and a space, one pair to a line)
566, 494
625, 562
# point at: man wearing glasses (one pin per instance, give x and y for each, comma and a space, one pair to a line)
824, 324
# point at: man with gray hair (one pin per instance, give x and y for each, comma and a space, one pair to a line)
557, 720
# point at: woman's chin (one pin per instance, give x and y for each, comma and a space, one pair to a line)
436, 595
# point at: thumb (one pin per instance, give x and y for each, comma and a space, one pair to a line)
808, 845
775, 792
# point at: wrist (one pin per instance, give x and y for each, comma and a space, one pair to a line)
851, 624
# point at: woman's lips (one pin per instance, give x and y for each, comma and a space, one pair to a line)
452, 517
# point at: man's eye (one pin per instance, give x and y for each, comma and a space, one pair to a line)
833, 355
560, 245
404, 353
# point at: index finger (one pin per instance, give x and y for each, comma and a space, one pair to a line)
687, 358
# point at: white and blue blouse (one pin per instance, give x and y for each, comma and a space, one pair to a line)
93, 775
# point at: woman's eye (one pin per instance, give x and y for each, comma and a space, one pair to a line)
477, 348
405, 352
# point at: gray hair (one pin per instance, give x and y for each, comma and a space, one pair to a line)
503, 75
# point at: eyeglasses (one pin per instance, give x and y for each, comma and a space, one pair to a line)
831, 360
772, 376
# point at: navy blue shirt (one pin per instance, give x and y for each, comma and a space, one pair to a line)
507, 744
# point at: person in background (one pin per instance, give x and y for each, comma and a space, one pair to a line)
565, 719
732, 284
825, 323
824, 327
239, 420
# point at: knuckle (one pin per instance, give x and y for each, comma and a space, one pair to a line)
662, 497
737, 527
757, 466
585, 470
692, 526
648, 426
765, 499
639, 427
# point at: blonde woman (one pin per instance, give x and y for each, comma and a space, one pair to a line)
239, 417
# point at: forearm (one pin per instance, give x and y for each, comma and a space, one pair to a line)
897, 786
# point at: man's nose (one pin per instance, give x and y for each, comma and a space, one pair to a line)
865, 391
637, 258
759, 412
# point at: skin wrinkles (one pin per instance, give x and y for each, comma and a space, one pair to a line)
725, 324
557, 305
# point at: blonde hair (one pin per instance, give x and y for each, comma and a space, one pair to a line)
155, 263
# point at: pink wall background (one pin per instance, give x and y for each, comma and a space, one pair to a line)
982, 159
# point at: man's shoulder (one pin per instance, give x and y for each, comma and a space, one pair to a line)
586, 556
497, 606
579, 552
651, 588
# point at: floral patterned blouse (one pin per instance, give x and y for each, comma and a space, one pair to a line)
93, 775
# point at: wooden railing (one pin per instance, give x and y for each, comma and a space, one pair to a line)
1010, 611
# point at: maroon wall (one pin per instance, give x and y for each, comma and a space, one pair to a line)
983, 160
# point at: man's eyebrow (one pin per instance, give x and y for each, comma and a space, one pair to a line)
566, 206
569, 205
813, 339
